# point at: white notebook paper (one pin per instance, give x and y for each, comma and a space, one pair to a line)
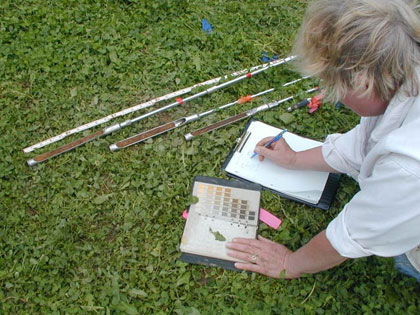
303, 185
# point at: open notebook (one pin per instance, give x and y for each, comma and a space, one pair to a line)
225, 209
310, 187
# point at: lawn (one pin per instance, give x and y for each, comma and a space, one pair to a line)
92, 231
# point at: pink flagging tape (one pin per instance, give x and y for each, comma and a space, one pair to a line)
269, 219
265, 216
185, 214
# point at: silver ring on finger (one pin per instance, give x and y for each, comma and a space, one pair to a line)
254, 259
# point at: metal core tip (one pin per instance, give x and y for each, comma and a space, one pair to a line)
114, 147
32, 162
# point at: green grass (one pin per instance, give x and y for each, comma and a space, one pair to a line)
92, 231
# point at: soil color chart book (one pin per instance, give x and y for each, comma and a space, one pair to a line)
310, 187
225, 209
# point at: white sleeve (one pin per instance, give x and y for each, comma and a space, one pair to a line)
345, 152
383, 219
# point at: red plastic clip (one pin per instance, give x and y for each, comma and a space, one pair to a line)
244, 99
315, 103
179, 100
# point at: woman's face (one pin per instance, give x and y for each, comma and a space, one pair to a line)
366, 106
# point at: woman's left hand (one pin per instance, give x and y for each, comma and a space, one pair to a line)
264, 256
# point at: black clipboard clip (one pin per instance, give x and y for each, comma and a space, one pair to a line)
241, 141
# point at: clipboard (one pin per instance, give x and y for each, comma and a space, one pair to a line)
324, 185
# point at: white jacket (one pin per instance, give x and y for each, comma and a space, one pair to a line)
383, 154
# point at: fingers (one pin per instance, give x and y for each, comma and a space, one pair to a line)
263, 239
244, 249
240, 247
261, 143
250, 255
249, 267
265, 152
251, 258
260, 255
264, 141
240, 242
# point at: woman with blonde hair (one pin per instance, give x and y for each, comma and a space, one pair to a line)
367, 55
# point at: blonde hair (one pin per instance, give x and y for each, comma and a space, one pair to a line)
354, 44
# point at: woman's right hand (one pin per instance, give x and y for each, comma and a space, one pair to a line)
279, 152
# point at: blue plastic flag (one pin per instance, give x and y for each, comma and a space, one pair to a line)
265, 57
206, 26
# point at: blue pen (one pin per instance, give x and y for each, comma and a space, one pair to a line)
275, 139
